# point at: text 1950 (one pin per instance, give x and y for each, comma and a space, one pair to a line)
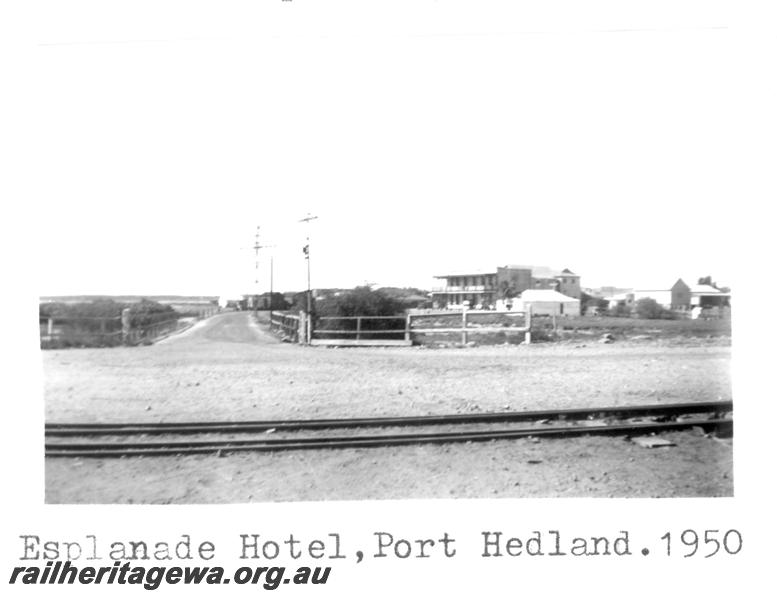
708, 543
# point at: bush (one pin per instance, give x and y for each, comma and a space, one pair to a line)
300, 302
647, 308
101, 308
148, 312
98, 323
620, 310
587, 300
360, 302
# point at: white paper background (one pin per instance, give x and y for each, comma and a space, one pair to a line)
62, 158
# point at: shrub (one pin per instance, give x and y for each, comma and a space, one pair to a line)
300, 302
647, 308
148, 312
360, 302
620, 310
98, 323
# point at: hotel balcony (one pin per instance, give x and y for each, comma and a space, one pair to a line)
462, 289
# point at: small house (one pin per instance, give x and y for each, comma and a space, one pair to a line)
548, 302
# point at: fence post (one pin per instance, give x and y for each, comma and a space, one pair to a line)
464, 326
50, 327
309, 328
527, 335
302, 336
358, 327
125, 326
407, 327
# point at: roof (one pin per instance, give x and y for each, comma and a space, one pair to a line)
466, 273
546, 296
543, 272
607, 291
540, 272
707, 290
659, 286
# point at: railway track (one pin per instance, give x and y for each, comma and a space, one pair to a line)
131, 439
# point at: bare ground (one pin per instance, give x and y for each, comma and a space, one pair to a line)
227, 369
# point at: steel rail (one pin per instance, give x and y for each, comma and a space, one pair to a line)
656, 410
112, 450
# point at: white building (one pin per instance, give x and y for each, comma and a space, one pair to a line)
547, 302
708, 296
675, 297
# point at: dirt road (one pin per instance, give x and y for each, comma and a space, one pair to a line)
231, 327
228, 368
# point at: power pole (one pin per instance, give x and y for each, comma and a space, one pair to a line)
307, 219
271, 278
257, 246
256, 263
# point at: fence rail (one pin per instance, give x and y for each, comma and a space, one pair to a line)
287, 325
152, 331
100, 331
357, 331
86, 331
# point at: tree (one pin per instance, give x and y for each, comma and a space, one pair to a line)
648, 308
300, 302
587, 299
621, 309
360, 302
507, 291
148, 312
707, 281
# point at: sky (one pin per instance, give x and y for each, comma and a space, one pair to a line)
426, 137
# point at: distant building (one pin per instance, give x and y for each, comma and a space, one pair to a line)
545, 302
484, 288
676, 297
706, 296
625, 299
679, 296
264, 301
606, 291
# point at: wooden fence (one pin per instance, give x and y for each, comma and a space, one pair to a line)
61, 332
290, 326
153, 331
469, 324
80, 331
359, 331
400, 330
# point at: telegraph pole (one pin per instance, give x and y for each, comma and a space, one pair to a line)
256, 263
307, 219
271, 275
271, 278
257, 246
255, 294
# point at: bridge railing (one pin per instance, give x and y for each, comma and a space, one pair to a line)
288, 325
425, 327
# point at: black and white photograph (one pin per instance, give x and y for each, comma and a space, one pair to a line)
403, 266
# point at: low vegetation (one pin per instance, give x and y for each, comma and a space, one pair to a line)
581, 328
646, 320
97, 323
383, 312
648, 308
